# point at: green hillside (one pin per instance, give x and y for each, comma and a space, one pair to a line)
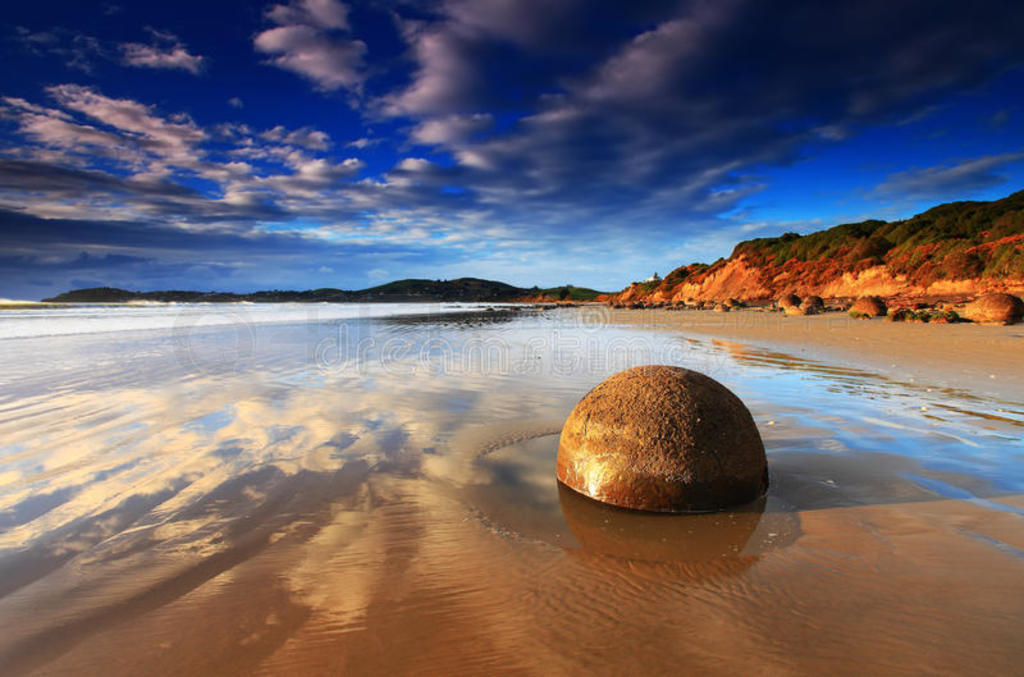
955, 240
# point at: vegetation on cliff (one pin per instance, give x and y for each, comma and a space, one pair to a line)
967, 246
952, 241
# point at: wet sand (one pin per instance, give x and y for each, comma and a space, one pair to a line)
256, 512
987, 359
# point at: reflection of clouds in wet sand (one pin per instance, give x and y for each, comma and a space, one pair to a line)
179, 492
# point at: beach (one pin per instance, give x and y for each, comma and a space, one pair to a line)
983, 358
354, 490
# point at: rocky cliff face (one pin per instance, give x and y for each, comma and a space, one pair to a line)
959, 249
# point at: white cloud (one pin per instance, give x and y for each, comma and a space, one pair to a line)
321, 170
415, 164
312, 40
363, 142
446, 75
175, 139
54, 128
235, 102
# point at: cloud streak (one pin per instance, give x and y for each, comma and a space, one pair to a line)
81, 51
165, 52
932, 183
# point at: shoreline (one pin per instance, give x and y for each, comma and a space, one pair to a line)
982, 359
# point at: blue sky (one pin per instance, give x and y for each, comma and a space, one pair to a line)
241, 146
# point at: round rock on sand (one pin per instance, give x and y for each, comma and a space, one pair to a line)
788, 300
872, 306
663, 439
995, 308
812, 305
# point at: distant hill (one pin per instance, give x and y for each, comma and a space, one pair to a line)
955, 249
462, 289
567, 293
114, 295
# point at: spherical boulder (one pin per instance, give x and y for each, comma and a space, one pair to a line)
788, 301
995, 308
663, 439
868, 306
812, 305
722, 308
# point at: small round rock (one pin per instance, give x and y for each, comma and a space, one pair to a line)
995, 308
788, 300
869, 306
663, 439
812, 305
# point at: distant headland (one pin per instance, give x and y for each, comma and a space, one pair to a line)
467, 289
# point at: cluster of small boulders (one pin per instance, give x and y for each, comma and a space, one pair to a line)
726, 306
992, 308
924, 316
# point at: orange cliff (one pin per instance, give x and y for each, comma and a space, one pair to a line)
955, 250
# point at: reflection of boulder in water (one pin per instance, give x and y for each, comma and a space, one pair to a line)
732, 539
